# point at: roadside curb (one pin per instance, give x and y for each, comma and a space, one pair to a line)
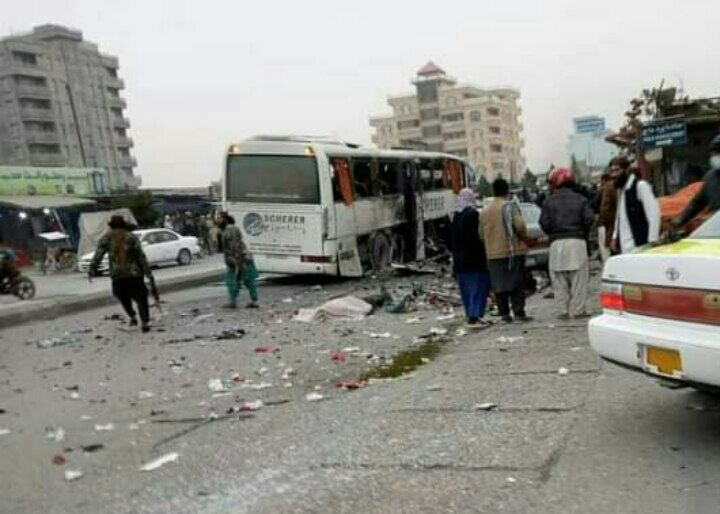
98, 299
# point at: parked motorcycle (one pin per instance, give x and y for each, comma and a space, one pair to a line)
20, 285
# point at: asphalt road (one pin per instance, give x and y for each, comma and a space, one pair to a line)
599, 439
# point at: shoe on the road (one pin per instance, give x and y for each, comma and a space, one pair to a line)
133, 322
507, 319
252, 305
145, 328
230, 306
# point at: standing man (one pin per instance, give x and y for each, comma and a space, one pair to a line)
239, 262
709, 195
503, 231
607, 208
567, 219
128, 267
469, 260
637, 222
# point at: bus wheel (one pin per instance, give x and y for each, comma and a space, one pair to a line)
380, 252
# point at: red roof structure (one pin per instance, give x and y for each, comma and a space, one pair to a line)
430, 69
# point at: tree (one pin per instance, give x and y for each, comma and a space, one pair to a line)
529, 180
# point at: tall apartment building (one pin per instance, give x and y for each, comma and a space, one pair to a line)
60, 105
481, 125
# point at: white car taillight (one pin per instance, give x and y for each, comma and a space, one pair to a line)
611, 296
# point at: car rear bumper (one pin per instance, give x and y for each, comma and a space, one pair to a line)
623, 339
84, 267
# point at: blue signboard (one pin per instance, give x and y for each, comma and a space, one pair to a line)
660, 135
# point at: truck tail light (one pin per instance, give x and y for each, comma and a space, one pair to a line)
611, 296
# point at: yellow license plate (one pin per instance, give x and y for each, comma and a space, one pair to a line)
666, 361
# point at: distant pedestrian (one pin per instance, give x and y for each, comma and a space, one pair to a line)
469, 259
128, 268
567, 218
168, 222
503, 231
637, 221
239, 262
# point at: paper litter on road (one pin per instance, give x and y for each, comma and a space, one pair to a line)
145, 395
105, 428
485, 406
446, 317
55, 434
260, 386
348, 307
438, 331
434, 388
383, 335
314, 397
4, 431
160, 461
351, 349
509, 339
563, 371
217, 385
413, 321
460, 332
73, 474
511, 480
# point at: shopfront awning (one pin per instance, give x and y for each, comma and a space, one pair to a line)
43, 202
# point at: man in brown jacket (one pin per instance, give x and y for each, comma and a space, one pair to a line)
503, 231
608, 206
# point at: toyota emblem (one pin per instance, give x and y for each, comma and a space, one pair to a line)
672, 274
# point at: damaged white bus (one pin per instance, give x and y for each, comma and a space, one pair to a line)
314, 206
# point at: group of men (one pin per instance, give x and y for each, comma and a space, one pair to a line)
489, 247
129, 267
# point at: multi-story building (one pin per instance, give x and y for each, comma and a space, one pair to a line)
588, 147
482, 125
60, 105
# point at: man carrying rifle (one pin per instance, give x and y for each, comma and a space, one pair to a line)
128, 268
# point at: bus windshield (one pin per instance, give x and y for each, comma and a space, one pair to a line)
273, 179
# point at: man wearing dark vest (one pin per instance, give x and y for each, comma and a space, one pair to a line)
637, 222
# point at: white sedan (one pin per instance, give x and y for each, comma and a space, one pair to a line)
161, 246
661, 310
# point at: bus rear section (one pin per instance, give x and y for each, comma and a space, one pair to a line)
275, 200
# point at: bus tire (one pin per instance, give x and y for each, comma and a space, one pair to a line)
380, 252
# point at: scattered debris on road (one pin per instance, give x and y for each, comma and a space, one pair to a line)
73, 474
160, 461
347, 307
485, 406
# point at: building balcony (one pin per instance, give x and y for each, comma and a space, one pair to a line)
115, 82
124, 141
30, 114
17, 68
47, 159
127, 161
117, 102
26, 91
42, 137
121, 123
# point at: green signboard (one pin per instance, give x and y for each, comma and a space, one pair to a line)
29, 180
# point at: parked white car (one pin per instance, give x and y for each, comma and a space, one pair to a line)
161, 246
661, 310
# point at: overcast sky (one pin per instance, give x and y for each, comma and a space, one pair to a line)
202, 74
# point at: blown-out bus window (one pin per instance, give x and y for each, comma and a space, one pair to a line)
273, 179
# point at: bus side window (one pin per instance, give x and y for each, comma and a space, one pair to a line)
389, 178
363, 177
341, 182
425, 169
439, 176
